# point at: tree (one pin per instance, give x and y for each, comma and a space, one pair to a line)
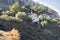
25, 8
21, 15
41, 17
41, 9
9, 13
34, 8
14, 7
44, 23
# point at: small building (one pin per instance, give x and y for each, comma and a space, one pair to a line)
35, 18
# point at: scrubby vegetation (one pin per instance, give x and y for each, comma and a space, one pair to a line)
17, 17
14, 7
21, 15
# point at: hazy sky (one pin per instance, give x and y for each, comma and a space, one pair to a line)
54, 4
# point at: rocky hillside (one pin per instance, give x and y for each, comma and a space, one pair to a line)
31, 31
20, 18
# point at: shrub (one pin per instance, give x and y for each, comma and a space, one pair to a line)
25, 8
9, 13
5, 12
12, 13
44, 23
14, 7
41, 17
28, 18
41, 9
6, 17
34, 8
21, 15
34, 14
54, 20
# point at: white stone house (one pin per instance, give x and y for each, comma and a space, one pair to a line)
35, 18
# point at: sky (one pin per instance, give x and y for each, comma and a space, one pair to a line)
54, 4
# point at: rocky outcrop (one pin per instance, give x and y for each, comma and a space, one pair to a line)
50, 13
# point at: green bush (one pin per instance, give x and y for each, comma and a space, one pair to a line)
44, 23
41, 17
34, 9
41, 9
14, 7
9, 13
21, 15
25, 8
28, 18
6, 17
5, 12
54, 20
38, 9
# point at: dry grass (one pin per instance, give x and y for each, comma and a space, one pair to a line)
11, 35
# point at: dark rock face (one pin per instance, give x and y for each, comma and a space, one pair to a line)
2, 27
33, 32
51, 13
49, 35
